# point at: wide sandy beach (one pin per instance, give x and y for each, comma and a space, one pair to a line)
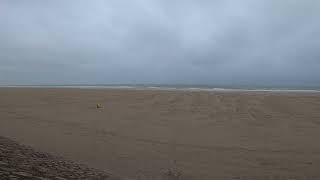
149, 134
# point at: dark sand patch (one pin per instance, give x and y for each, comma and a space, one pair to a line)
24, 163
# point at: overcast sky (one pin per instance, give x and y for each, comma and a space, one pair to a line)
266, 42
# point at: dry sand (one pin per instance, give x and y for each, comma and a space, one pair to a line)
152, 134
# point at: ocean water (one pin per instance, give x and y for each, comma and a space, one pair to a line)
170, 87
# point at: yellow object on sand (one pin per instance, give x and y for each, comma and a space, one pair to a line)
98, 106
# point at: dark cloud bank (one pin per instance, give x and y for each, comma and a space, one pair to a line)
248, 42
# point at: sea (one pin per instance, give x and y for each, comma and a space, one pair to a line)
178, 87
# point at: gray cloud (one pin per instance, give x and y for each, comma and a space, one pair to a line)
267, 42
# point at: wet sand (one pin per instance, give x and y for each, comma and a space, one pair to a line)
145, 134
